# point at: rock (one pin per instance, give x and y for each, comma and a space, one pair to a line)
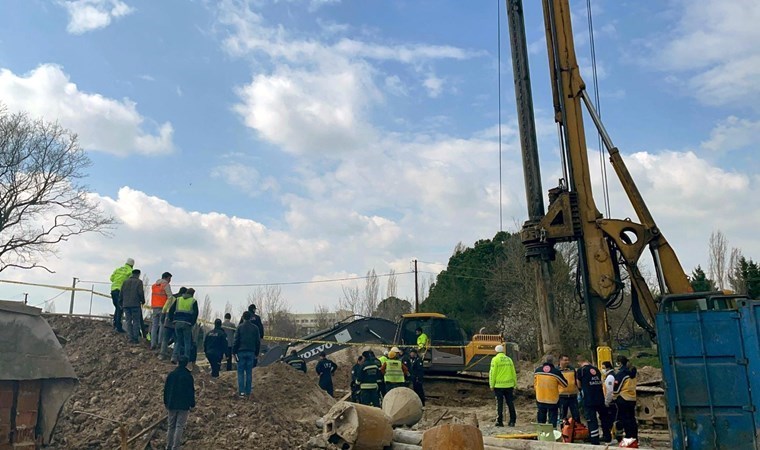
402, 406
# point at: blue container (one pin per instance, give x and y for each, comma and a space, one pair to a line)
710, 352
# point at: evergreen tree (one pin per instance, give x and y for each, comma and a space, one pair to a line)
700, 282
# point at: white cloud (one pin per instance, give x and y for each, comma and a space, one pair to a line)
713, 46
733, 133
243, 177
89, 15
434, 85
103, 124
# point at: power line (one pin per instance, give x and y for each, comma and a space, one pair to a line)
281, 283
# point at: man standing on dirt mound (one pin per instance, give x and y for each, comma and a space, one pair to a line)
179, 399
159, 294
117, 279
246, 348
326, 369
184, 314
132, 299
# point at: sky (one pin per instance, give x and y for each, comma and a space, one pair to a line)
251, 142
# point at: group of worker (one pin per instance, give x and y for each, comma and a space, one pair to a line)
608, 397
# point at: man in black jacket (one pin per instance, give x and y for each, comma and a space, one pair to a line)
295, 361
246, 349
355, 373
416, 374
179, 398
326, 369
215, 346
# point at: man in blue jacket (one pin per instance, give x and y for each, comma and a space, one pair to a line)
179, 399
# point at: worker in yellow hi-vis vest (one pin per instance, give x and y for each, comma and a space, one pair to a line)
423, 342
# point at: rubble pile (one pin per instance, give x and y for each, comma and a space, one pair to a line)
124, 383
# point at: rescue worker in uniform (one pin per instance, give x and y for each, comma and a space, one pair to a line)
184, 314
215, 345
417, 374
159, 294
369, 394
568, 396
610, 409
381, 382
547, 381
295, 361
502, 378
355, 373
326, 369
625, 398
589, 380
394, 371
167, 335
423, 342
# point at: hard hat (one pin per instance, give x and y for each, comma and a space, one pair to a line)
130, 262
499, 348
392, 354
395, 349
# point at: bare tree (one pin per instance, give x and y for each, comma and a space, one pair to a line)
324, 317
424, 287
42, 202
49, 306
371, 293
391, 289
351, 300
734, 276
716, 267
207, 312
228, 308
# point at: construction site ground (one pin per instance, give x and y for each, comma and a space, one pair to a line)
122, 384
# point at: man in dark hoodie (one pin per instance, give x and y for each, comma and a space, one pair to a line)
215, 346
326, 369
132, 299
179, 398
246, 349
625, 397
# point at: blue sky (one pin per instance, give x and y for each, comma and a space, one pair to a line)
243, 142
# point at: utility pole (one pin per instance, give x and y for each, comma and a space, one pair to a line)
73, 291
416, 290
26, 297
92, 292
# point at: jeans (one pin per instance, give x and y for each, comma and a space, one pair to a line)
133, 314
183, 335
117, 312
156, 328
508, 395
545, 409
176, 428
244, 372
569, 402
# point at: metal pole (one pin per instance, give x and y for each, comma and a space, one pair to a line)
532, 171
73, 291
26, 297
416, 290
92, 292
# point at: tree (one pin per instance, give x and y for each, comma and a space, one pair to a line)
716, 267
351, 300
749, 276
700, 282
42, 202
392, 286
206, 312
324, 317
392, 308
371, 293
228, 308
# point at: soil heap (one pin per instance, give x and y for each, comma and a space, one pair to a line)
125, 383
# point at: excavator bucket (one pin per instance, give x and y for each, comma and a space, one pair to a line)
36, 377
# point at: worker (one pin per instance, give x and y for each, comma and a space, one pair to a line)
417, 374
256, 319
159, 294
117, 279
167, 335
179, 399
355, 373
381, 382
625, 397
295, 361
132, 299
589, 380
184, 314
229, 328
246, 349
326, 369
423, 343
568, 395
502, 378
215, 346
394, 371
547, 381
610, 413
369, 394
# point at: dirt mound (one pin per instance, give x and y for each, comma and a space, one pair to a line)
648, 373
124, 383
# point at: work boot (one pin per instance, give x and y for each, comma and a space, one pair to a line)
499, 423
511, 424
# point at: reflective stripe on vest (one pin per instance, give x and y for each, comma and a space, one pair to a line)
158, 295
296, 363
393, 371
368, 386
